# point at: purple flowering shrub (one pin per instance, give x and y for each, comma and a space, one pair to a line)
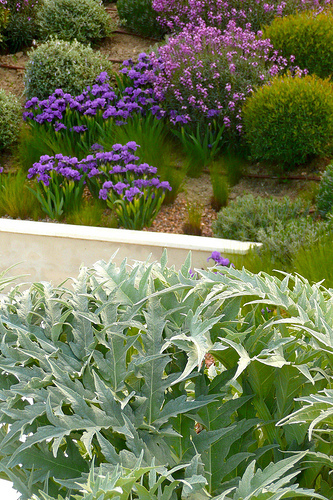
176, 14
208, 74
132, 190
21, 27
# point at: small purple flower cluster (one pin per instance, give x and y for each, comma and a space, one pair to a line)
125, 178
219, 260
265, 311
20, 5
65, 166
128, 190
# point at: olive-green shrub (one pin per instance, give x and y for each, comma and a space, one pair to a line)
290, 121
140, 17
83, 20
308, 37
325, 194
70, 66
10, 118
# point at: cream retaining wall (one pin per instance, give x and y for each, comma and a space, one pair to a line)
53, 252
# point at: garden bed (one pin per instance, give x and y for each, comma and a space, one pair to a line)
121, 46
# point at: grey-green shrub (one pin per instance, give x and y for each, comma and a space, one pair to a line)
325, 193
83, 20
70, 66
290, 121
140, 17
308, 36
244, 217
284, 240
10, 118
282, 226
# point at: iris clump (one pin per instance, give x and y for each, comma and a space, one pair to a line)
132, 190
135, 192
93, 113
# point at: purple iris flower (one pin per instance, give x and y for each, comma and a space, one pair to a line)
59, 126
131, 192
219, 260
78, 129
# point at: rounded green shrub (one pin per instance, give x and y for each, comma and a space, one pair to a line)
290, 120
84, 20
70, 66
140, 17
325, 194
307, 36
10, 118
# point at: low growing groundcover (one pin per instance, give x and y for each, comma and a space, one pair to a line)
145, 382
